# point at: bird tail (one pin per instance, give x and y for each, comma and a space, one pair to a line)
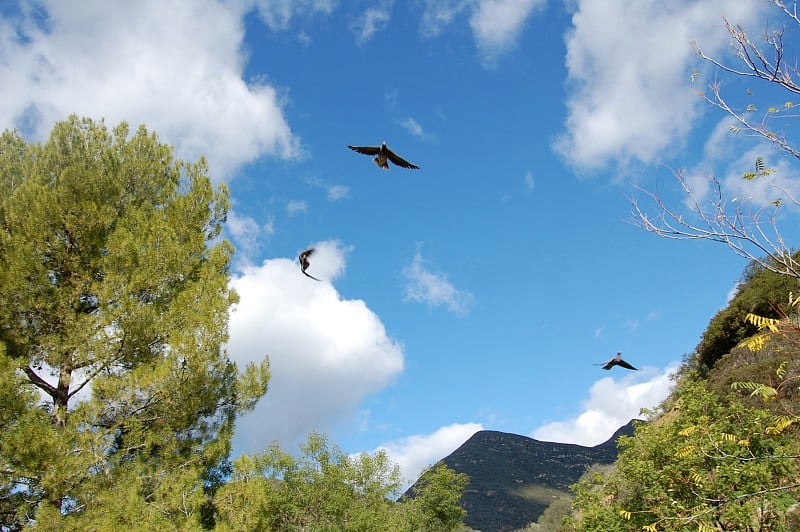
385, 164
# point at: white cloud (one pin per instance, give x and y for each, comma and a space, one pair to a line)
373, 20
247, 235
326, 353
611, 404
413, 127
414, 453
337, 192
333, 192
296, 206
726, 157
496, 24
628, 62
390, 98
433, 288
781, 184
174, 66
440, 13
278, 14
530, 185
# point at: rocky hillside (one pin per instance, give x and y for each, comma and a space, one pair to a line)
513, 478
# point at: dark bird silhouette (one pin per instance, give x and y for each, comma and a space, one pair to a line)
616, 361
303, 258
383, 154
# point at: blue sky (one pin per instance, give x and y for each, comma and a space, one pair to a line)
476, 292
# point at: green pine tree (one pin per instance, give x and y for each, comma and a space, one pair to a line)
118, 400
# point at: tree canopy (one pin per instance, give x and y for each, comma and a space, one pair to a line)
114, 301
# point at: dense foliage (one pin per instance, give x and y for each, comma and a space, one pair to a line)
721, 453
114, 302
326, 489
707, 463
761, 292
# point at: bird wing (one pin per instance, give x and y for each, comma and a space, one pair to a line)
304, 262
399, 161
626, 365
366, 150
304, 257
606, 365
309, 275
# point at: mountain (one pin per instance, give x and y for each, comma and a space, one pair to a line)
513, 478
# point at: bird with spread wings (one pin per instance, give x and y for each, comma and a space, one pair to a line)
616, 361
383, 154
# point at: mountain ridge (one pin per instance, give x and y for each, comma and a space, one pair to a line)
514, 478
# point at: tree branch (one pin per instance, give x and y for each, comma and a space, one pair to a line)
39, 382
744, 233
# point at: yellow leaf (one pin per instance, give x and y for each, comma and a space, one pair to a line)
761, 322
685, 451
755, 342
782, 424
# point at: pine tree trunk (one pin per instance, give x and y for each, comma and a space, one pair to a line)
61, 395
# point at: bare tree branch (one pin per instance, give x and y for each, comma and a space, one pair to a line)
753, 235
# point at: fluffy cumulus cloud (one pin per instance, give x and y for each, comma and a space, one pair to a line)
496, 24
611, 404
630, 95
426, 285
174, 66
414, 453
326, 353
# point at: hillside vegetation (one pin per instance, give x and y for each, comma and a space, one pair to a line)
721, 452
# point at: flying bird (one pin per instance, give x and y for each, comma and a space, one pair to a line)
303, 258
383, 154
616, 361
